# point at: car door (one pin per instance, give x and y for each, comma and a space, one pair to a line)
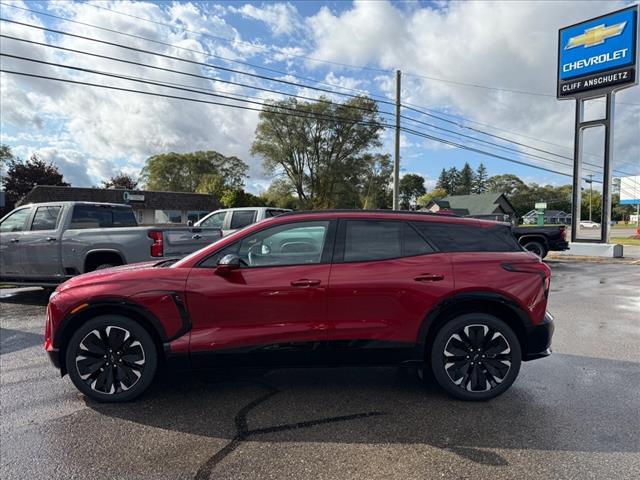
40, 243
273, 308
384, 280
215, 220
11, 231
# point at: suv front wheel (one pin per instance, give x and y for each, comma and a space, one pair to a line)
475, 356
111, 358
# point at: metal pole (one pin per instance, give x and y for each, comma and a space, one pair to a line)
396, 159
607, 175
576, 197
590, 194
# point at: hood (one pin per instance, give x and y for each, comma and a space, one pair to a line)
108, 275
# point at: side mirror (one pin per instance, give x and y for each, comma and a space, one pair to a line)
189, 223
228, 264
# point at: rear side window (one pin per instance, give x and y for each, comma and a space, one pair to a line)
448, 237
370, 240
242, 218
96, 216
273, 213
46, 218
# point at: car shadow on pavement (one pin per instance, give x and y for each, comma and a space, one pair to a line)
15, 340
565, 402
26, 296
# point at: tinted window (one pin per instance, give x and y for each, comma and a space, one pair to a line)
242, 218
46, 218
97, 216
299, 243
15, 221
273, 213
168, 216
449, 237
367, 240
214, 221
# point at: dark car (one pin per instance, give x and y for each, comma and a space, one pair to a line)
456, 295
542, 240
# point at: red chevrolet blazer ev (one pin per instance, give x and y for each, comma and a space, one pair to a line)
457, 295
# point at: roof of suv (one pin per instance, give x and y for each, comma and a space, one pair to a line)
398, 214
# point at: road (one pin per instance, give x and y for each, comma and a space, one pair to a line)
575, 414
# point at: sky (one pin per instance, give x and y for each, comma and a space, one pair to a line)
490, 66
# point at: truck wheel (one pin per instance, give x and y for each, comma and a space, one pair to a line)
111, 358
537, 248
475, 356
102, 266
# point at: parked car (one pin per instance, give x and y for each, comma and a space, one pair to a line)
47, 243
457, 295
542, 240
589, 224
231, 219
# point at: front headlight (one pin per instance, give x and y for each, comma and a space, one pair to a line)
53, 294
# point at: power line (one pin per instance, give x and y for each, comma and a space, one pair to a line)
201, 52
155, 94
193, 62
195, 75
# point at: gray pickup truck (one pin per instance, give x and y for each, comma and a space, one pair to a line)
46, 243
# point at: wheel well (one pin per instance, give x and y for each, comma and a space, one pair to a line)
95, 259
65, 335
533, 238
496, 308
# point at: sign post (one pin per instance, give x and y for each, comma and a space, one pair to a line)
596, 58
540, 208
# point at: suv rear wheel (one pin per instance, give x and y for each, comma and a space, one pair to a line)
111, 358
475, 356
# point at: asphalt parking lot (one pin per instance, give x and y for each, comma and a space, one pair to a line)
575, 414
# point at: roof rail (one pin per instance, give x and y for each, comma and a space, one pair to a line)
356, 210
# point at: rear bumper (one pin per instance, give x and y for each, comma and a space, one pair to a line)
559, 246
539, 339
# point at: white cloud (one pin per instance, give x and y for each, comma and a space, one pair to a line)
281, 18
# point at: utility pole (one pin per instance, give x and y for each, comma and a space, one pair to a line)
396, 159
590, 192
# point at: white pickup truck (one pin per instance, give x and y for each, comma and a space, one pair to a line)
232, 219
46, 243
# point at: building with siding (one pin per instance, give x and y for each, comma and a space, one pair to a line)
150, 207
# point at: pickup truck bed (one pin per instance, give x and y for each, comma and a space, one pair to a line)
542, 240
45, 244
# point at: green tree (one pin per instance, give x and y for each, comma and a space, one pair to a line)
443, 181
453, 176
318, 150
507, 183
21, 176
480, 183
411, 187
121, 181
435, 194
376, 181
183, 172
280, 194
466, 180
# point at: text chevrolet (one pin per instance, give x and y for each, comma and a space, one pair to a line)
456, 295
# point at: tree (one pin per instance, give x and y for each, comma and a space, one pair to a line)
21, 176
121, 181
280, 194
480, 183
435, 194
376, 181
466, 180
444, 182
318, 150
183, 172
508, 184
411, 187
454, 180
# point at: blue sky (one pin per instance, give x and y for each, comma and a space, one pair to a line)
475, 55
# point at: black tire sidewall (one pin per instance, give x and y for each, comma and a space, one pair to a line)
539, 246
138, 331
457, 324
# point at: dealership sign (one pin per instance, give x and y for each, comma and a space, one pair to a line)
599, 54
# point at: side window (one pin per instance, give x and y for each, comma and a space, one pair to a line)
413, 244
98, 216
15, 221
367, 240
273, 213
242, 218
298, 243
46, 218
449, 237
214, 221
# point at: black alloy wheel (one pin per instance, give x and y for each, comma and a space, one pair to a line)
537, 248
111, 359
476, 357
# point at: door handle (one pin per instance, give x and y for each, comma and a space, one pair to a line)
197, 236
51, 239
14, 240
429, 277
305, 282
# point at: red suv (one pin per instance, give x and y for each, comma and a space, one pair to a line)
459, 296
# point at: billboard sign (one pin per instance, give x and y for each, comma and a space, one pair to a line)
598, 54
630, 190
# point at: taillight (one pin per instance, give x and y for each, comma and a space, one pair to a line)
538, 268
157, 248
563, 233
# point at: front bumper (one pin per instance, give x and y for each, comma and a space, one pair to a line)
539, 339
54, 356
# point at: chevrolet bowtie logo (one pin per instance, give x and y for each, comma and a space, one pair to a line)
595, 36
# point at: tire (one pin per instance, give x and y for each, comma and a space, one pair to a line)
469, 337
126, 373
102, 266
537, 248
